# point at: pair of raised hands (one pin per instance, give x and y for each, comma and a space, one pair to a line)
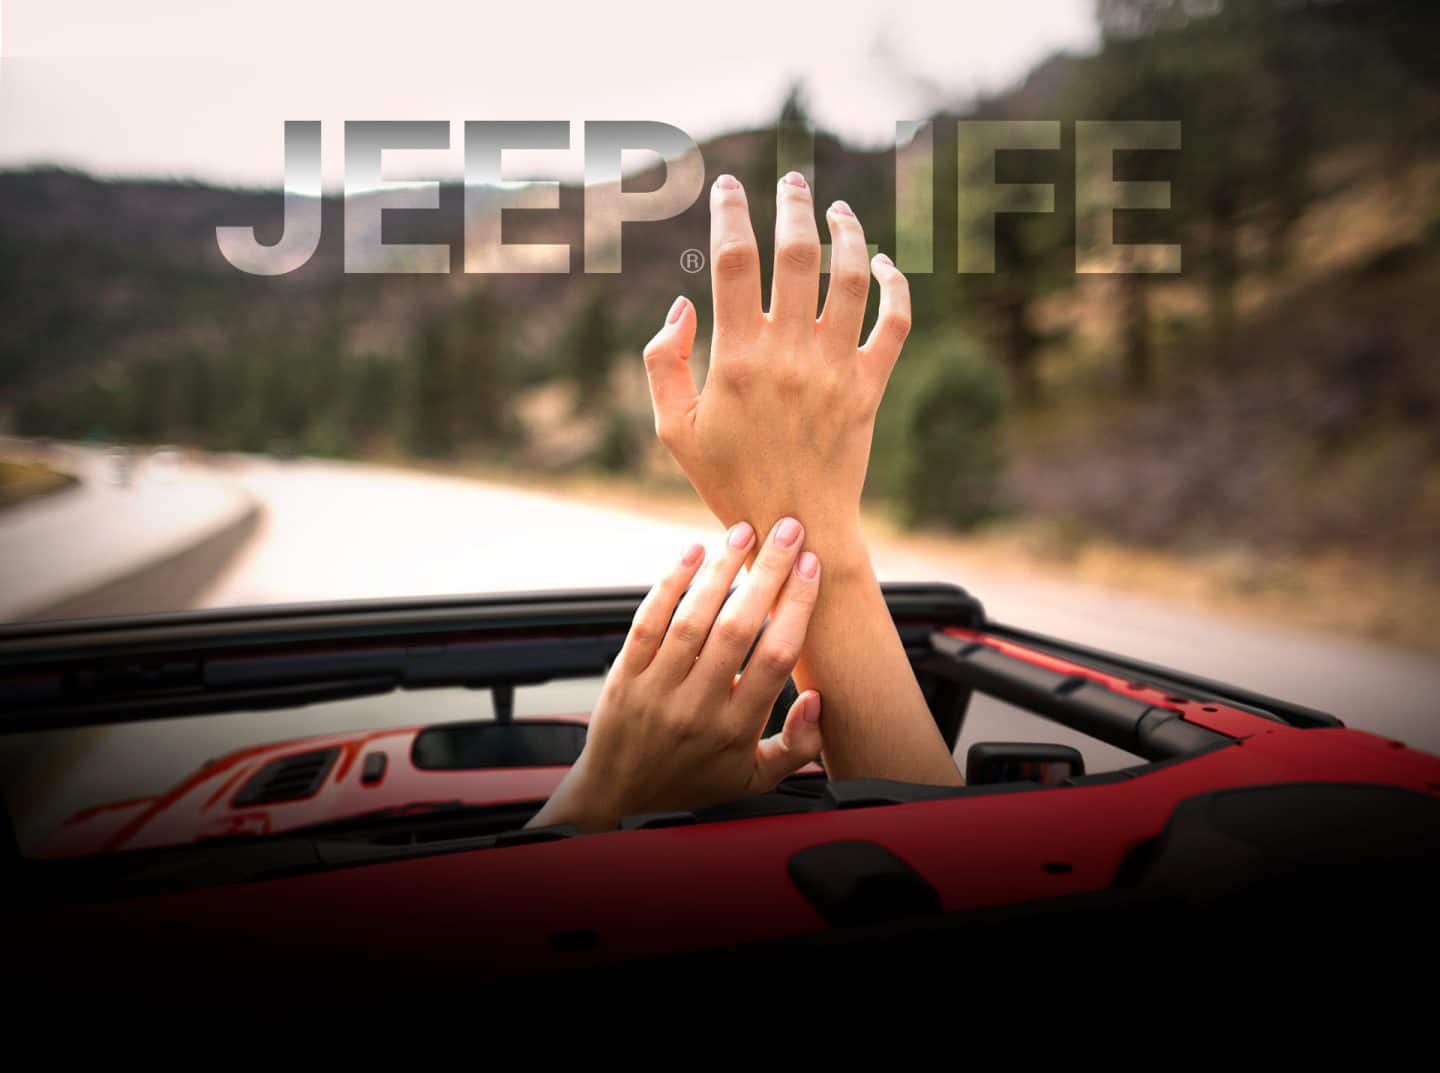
776, 444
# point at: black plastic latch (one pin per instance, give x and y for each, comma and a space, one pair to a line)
852, 883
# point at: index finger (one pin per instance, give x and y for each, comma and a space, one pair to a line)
652, 617
734, 257
779, 646
744, 613
696, 614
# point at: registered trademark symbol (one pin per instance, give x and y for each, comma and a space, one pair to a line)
692, 261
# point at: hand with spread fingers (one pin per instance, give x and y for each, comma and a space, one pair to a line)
679, 721
783, 428
785, 420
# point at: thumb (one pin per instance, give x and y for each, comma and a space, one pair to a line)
797, 744
672, 389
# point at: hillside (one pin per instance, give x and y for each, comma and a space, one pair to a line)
1279, 398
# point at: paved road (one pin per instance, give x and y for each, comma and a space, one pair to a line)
121, 516
336, 531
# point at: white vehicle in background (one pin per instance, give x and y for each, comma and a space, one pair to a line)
164, 464
119, 468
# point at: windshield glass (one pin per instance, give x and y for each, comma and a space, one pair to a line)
287, 318
249, 774
174, 781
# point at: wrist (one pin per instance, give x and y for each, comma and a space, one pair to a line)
581, 800
842, 552
831, 534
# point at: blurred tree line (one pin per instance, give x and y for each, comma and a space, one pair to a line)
1269, 94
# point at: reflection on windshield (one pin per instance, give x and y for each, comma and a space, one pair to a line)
116, 773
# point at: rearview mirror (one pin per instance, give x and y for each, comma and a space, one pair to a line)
480, 746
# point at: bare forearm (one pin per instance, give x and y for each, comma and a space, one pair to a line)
579, 802
784, 423
877, 724
678, 723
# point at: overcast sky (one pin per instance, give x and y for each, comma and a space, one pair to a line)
188, 89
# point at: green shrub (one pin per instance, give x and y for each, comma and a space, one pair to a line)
620, 447
946, 439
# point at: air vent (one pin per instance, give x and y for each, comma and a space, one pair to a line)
291, 778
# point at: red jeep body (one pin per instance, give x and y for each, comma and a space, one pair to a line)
208, 805
1252, 814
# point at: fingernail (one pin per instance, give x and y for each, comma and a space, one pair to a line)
882, 259
794, 178
811, 713
693, 554
787, 532
842, 208
740, 535
676, 311
808, 566
728, 182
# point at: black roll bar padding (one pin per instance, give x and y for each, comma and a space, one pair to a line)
58, 675
1080, 703
1285, 712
